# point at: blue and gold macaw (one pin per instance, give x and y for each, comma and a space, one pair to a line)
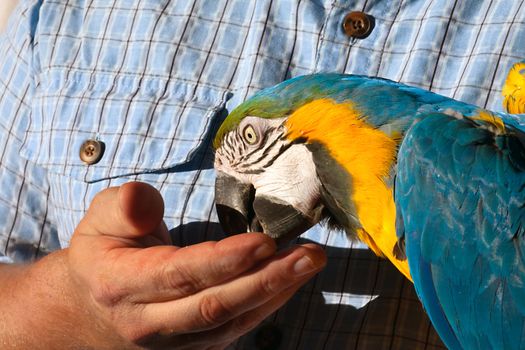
435, 185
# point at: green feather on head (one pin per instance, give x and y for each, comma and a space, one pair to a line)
278, 101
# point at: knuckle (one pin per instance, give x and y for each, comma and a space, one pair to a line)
106, 293
231, 265
179, 279
271, 284
213, 311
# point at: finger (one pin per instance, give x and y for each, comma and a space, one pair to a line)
166, 273
132, 210
230, 331
220, 304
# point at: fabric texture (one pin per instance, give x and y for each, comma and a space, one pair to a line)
153, 79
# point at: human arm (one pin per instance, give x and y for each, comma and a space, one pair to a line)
114, 287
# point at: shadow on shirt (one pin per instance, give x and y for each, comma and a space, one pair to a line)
359, 301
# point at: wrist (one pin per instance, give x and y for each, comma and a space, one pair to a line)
43, 308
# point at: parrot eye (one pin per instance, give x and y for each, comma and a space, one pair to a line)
250, 135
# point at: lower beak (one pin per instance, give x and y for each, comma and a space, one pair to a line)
241, 210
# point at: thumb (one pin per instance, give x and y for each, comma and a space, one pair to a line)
132, 210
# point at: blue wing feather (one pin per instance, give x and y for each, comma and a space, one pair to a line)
460, 191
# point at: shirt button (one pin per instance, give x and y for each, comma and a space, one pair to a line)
358, 25
268, 337
91, 151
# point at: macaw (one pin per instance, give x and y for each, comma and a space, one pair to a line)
435, 185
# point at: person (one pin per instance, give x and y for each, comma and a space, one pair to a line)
109, 235
6, 7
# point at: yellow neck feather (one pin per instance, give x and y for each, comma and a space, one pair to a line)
514, 89
368, 155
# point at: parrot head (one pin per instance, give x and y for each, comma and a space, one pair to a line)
284, 162
266, 182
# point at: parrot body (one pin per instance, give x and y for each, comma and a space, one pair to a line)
435, 185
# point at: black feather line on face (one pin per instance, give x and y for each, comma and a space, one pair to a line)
300, 140
268, 163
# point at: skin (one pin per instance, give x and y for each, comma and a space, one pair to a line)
6, 8
120, 286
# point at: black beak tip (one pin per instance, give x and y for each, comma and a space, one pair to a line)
232, 221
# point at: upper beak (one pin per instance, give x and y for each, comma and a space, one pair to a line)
240, 210
233, 201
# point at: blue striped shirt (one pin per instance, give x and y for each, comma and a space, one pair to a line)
152, 80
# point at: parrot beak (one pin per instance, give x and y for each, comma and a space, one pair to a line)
233, 201
240, 210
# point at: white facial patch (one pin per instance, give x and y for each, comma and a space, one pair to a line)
292, 178
272, 164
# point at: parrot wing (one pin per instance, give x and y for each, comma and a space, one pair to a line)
460, 198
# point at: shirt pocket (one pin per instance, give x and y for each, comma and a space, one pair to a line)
145, 124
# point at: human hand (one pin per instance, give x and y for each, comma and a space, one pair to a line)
154, 294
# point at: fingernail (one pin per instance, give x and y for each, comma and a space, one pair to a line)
264, 251
304, 265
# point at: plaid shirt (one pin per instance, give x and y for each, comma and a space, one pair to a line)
152, 80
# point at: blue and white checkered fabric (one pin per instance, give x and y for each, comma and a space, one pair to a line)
152, 80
